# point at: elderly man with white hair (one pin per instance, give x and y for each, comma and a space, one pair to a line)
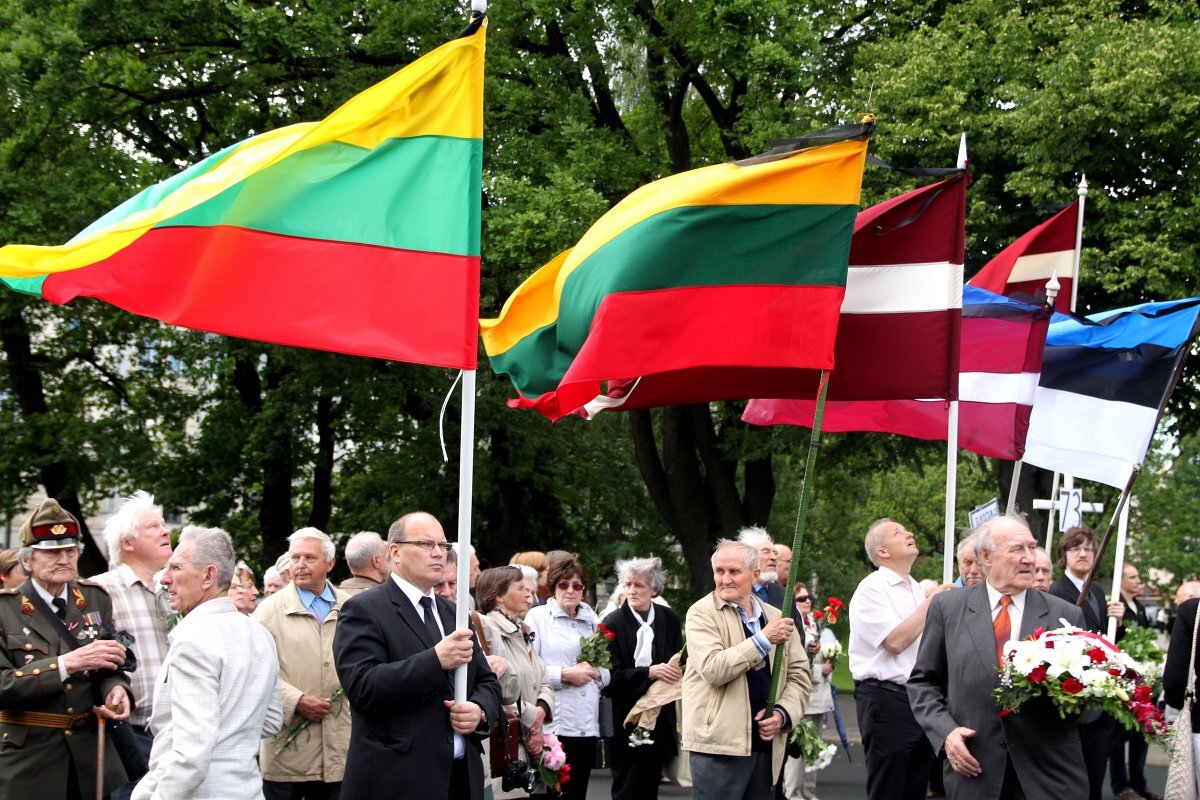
766, 588
302, 618
139, 544
220, 689
367, 558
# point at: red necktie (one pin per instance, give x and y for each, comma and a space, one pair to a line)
1002, 627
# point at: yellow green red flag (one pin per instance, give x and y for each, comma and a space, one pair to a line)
358, 233
719, 283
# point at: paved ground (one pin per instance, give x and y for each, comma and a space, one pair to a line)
847, 780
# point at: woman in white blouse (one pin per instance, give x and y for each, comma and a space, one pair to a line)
559, 624
798, 784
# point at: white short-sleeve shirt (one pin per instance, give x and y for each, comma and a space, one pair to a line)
882, 601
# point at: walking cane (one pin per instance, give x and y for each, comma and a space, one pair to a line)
99, 753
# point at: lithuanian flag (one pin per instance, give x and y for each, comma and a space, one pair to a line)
357, 234
720, 283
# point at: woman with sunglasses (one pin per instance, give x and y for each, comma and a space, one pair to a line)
559, 624
646, 636
504, 598
798, 784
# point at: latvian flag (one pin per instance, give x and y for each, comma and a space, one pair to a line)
1000, 357
1103, 381
898, 332
1026, 264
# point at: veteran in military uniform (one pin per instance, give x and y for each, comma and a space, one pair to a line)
49, 688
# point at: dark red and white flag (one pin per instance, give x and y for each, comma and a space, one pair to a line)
1003, 339
1026, 264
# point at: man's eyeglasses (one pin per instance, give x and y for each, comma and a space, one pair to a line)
802, 598
428, 546
564, 586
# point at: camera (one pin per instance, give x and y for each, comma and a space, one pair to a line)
519, 775
126, 640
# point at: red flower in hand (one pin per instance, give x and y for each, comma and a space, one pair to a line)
817, 615
1097, 655
1072, 686
605, 632
1038, 675
838, 604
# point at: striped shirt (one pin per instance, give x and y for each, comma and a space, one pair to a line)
143, 612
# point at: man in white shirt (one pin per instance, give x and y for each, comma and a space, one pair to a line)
887, 615
1035, 753
219, 693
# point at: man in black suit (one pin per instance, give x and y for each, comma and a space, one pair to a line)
768, 589
1031, 754
1076, 554
395, 650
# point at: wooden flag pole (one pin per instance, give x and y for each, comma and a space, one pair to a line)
806, 489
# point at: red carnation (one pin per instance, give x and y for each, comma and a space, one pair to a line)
1038, 675
817, 615
838, 604
1097, 655
1072, 686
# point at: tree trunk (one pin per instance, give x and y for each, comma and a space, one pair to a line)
55, 472
322, 488
693, 484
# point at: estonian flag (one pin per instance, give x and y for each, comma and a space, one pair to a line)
1104, 379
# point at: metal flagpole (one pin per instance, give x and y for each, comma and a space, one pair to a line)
466, 469
952, 435
1118, 566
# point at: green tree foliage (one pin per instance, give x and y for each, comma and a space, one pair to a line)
584, 102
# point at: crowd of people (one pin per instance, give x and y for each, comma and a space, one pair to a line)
203, 688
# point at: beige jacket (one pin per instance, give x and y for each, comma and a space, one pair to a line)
505, 640
716, 700
305, 667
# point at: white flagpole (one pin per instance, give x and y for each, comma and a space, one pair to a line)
1119, 565
1069, 480
952, 428
466, 469
1083, 193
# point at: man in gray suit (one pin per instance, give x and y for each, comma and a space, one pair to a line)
218, 692
1032, 753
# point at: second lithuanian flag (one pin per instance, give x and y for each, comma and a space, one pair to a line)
716, 284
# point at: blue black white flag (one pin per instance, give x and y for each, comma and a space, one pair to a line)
1103, 381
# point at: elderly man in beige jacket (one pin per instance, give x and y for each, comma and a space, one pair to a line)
736, 742
302, 618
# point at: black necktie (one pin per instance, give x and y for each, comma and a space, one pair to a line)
431, 625
60, 607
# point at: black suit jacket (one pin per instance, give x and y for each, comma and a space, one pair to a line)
952, 684
1095, 610
395, 684
629, 683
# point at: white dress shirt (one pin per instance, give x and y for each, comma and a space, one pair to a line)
882, 601
414, 595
